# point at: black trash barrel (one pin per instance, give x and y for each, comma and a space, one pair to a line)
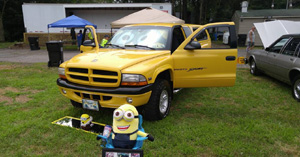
55, 53
242, 39
34, 43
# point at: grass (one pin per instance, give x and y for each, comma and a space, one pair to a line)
256, 117
255, 47
6, 44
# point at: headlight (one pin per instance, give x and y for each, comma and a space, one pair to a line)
61, 73
133, 80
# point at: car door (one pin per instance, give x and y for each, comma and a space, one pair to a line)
206, 67
273, 54
89, 40
285, 60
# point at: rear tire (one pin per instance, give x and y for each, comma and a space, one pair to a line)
253, 69
159, 103
76, 104
296, 88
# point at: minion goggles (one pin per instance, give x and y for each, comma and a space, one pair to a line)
128, 116
85, 118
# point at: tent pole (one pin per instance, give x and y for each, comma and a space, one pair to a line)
48, 34
63, 34
110, 31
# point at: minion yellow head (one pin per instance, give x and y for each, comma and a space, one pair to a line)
85, 120
125, 119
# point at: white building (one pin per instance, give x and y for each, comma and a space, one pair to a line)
37, 16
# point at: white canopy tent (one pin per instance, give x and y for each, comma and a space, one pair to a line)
271, 31
148, 15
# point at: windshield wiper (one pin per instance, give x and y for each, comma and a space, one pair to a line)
140, 46
114, 45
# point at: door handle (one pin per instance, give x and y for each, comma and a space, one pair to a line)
230, 58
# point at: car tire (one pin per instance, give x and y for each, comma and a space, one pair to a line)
159, 103
253, 69
296, 88
76, 104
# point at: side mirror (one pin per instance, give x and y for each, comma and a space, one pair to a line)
267, 49
193, 45
89, 43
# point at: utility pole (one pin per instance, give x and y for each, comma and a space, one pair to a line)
289, 4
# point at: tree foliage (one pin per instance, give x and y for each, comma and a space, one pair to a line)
2, 9
192, 11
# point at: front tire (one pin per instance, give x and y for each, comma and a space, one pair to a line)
253, 69
159, 103
296, 88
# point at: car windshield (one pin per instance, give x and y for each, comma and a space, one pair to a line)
141, 37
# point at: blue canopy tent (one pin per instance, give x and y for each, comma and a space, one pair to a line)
70, 22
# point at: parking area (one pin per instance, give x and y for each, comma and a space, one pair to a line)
36, 56
28, 56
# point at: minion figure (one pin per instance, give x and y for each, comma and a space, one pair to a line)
86, 122
126, 127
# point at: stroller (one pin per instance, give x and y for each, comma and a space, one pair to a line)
139, 140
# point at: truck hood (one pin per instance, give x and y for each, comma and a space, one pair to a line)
114, 58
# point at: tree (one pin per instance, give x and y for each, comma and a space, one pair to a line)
2, 5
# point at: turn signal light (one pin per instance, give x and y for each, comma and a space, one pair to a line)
134, 83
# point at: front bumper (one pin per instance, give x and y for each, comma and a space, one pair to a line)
107, 97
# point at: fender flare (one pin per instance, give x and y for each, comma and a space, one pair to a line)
159, 70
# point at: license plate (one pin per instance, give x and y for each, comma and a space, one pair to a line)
90, 104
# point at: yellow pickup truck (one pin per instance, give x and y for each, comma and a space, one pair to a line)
142, 64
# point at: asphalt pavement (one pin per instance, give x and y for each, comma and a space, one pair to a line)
36, 56
30, 56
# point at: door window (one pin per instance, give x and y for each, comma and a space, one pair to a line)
220, 36
201, 36
88, 37
177, 39
278, 45
291, 47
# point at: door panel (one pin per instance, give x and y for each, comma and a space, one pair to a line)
207, 67
286, 59
272, 57
261, 59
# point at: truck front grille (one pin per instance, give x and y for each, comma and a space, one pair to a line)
79, 70
103, 72
93, 96
80, 77
94, 77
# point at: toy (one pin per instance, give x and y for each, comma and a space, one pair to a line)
77, 124
86, 122
127, 131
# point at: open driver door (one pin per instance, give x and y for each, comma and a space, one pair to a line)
89, 40
199, 66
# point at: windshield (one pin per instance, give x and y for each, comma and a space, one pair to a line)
141, 37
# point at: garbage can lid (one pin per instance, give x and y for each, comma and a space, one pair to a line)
51, 42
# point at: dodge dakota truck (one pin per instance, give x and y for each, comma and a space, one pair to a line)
142, 64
